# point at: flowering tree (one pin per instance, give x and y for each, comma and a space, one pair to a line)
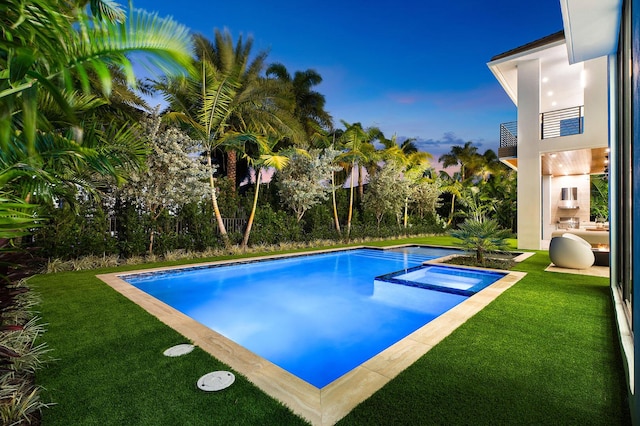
306, 180
425, 196
387, 192
172, 175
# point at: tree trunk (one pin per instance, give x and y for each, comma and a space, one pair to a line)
232, 167
406, 212
214, 203
335, 206
453, 204
151, 242
247, 232
350, 204
154, 221
360, 184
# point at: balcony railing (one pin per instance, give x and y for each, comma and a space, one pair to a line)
563, 122
508, 139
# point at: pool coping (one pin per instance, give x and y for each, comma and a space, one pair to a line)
331, 403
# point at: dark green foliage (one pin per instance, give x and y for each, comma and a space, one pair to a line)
489, 262
228, 198
88, 230
318, 222
599, 198
273, 227
73, 233
132, 230
196, 227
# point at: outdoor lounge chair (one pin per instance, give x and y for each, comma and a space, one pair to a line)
571, 251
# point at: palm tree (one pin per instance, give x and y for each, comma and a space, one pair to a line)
53, 134
50, 135
309, 104
359, 151
43, 114
334, 204
416, 164
67, 49
453, 186
466, 157
481, 236
259, 150
225, 97
501, 188
408, 146
472, 164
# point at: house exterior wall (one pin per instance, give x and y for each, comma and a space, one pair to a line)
537, 209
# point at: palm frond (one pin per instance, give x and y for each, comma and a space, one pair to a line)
16, 217
107, 10
278, 162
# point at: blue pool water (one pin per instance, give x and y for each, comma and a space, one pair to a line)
448, 279
316, 316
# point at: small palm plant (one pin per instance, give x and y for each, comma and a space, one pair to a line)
481, 236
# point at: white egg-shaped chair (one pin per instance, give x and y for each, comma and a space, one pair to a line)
570, 251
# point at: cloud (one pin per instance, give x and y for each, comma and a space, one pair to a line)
405, 98
445, 143
438, 147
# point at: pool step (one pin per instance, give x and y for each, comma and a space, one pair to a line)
440, 279
385, 255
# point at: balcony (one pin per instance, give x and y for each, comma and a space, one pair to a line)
508, 140
553, 124
563, 122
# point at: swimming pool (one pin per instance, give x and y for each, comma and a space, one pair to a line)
317, 316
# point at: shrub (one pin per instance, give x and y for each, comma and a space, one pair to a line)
481, 237
20, 357
272, 227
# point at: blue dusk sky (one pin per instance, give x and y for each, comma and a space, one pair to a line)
412, 68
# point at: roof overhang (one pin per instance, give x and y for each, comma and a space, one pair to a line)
591, 28
552, 52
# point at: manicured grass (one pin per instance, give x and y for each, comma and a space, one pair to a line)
545, 352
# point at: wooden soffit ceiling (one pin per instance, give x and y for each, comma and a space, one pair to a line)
578, 162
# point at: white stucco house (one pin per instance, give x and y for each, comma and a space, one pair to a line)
578, 99
561, 136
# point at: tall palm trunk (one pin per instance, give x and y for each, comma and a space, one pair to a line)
360, 184
406, 212
353, 164
247, 232
214, 203
335, 205
453, 205
151, 242
232, 167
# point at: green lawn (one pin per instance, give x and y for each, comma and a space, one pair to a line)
545, 352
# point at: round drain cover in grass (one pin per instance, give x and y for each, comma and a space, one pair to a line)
178, 350
216, 381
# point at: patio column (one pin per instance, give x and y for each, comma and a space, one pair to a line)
529, 167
